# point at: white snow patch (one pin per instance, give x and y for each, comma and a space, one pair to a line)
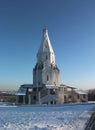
59, 117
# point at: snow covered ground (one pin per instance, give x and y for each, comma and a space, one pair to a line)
59, 117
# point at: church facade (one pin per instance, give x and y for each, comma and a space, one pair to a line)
46, 87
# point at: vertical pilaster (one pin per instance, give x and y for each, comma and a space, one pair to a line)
29, 99
39, 96
23, 99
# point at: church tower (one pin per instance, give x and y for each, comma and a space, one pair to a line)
45, 70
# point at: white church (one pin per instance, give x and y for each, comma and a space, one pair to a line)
46, 87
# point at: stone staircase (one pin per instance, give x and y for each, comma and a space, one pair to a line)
49, 98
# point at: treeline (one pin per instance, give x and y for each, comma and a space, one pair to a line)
7, 97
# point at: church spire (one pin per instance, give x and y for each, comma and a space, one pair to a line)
45, 42
46, 49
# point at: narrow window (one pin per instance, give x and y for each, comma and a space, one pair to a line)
47, 78
39, 83
46, 57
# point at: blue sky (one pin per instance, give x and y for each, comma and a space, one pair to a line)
71, 26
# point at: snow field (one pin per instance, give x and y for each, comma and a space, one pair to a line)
70, 117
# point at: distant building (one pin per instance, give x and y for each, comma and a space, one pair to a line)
46, 86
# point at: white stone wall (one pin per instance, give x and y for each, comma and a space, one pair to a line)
61, 95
